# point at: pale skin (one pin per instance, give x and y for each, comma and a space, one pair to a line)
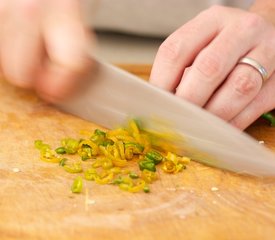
44, 46
199, 62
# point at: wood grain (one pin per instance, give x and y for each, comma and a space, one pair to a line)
35, 203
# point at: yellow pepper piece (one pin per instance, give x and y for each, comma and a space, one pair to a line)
121, 149
135, 130
185, 160
117, 132
119, 163
105, 180
137, 187
169, 166
172, 157
115, 170
106, 163
148, 176
91, 144
73, 168
52, 159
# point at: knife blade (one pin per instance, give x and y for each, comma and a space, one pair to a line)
110, 96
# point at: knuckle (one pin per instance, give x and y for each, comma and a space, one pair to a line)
30, 7
210, 66
245, 84
252, 21
189, 30
170, 50
213, 11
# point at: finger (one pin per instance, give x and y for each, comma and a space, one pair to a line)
3, 16
242, 85
263, 102
21, 44
66, 43
179, 50
215, 62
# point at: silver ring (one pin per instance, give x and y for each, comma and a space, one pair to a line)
251, 62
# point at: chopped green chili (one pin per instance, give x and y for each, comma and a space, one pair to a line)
40, 145
60, 150
106, 142
149, 165
90, 174
99, 133
270, 117
107, 156
77, 185
146, 189
136, 147
133, 175
98, 137
154, 156
70, 145
63, 162
85, 153
117, 181
73, 168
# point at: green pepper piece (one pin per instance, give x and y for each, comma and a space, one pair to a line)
63, 162
38, 144
85, 152
98, 137
136, 147
133, 175
99, 132
41, 146
270, 117
60, 150
149, 165
117, 181
77, 185
70, 145
106, 142
154, 156
146, 189
138, 123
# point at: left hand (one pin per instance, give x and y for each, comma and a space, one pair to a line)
209, 47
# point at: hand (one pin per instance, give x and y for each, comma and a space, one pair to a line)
199, 62
43, 45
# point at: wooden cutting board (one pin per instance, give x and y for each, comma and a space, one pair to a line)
199, 203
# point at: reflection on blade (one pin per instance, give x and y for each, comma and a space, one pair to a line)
112, 96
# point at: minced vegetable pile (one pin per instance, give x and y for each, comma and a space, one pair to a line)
110, 157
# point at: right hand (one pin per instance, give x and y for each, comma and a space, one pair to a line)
43, 45
200, 62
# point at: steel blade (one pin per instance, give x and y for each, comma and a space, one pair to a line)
111, 96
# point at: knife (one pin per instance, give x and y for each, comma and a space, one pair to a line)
110, 96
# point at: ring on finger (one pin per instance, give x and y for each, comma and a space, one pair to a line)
253, 63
